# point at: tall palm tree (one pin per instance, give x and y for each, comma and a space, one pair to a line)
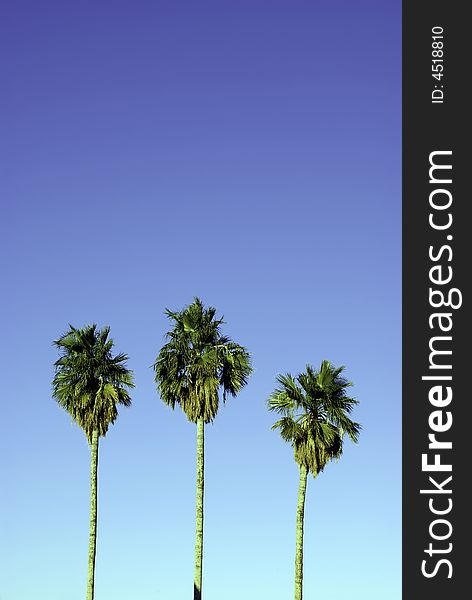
191, 369
314, 409
89, 383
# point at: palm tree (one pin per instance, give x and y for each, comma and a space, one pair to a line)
314, 411
89, 383
190, 370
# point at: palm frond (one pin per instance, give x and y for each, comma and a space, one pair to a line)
198, 362
315, 413
90, 382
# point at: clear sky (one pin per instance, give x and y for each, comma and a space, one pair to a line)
244, 151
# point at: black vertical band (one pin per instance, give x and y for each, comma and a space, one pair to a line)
436, 318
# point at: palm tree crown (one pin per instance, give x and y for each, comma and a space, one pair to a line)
314, 409
89, 381
197, 361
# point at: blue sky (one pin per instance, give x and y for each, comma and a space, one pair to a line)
245, 152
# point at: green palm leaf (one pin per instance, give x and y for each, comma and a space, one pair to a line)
198, 362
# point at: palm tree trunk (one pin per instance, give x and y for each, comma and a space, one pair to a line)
93, 517
299, 533
197, 587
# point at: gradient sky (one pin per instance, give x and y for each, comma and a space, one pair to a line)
247, 152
